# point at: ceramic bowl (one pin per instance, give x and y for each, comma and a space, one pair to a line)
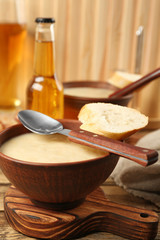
73, 104
65, 185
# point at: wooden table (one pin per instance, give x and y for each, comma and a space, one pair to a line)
113, 192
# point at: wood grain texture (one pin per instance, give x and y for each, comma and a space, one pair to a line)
95, 214
143, 156
94, 28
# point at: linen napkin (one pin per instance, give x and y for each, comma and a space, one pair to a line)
141, 181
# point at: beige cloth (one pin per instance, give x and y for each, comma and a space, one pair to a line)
138, 180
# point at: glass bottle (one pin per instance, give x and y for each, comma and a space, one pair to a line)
45, 92
12, 41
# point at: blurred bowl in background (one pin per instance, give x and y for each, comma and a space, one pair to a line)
73, 102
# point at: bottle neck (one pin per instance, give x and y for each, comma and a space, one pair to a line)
44, 59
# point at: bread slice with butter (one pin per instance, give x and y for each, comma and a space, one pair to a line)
110, 120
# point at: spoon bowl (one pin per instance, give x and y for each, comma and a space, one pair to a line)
39, 123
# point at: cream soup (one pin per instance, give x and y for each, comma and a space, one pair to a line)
54, 148
88, 92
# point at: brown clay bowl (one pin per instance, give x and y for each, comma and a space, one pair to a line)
73, 104
65, 185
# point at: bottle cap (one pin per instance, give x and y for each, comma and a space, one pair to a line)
45, 20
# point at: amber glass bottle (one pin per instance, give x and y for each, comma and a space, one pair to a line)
45, 92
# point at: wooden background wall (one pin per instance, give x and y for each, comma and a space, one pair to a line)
96, 37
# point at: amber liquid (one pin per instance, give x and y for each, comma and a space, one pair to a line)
12, 37
45, 93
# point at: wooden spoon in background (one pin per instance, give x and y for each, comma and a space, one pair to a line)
137, 84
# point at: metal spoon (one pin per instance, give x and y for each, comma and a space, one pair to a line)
43, 124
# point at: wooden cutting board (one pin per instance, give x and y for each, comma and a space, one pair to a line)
95, 214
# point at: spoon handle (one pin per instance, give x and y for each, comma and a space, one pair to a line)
143, 156
139, 83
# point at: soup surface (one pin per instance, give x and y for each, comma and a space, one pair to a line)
54, 148
88, 92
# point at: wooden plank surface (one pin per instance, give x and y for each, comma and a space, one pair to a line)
95, 214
